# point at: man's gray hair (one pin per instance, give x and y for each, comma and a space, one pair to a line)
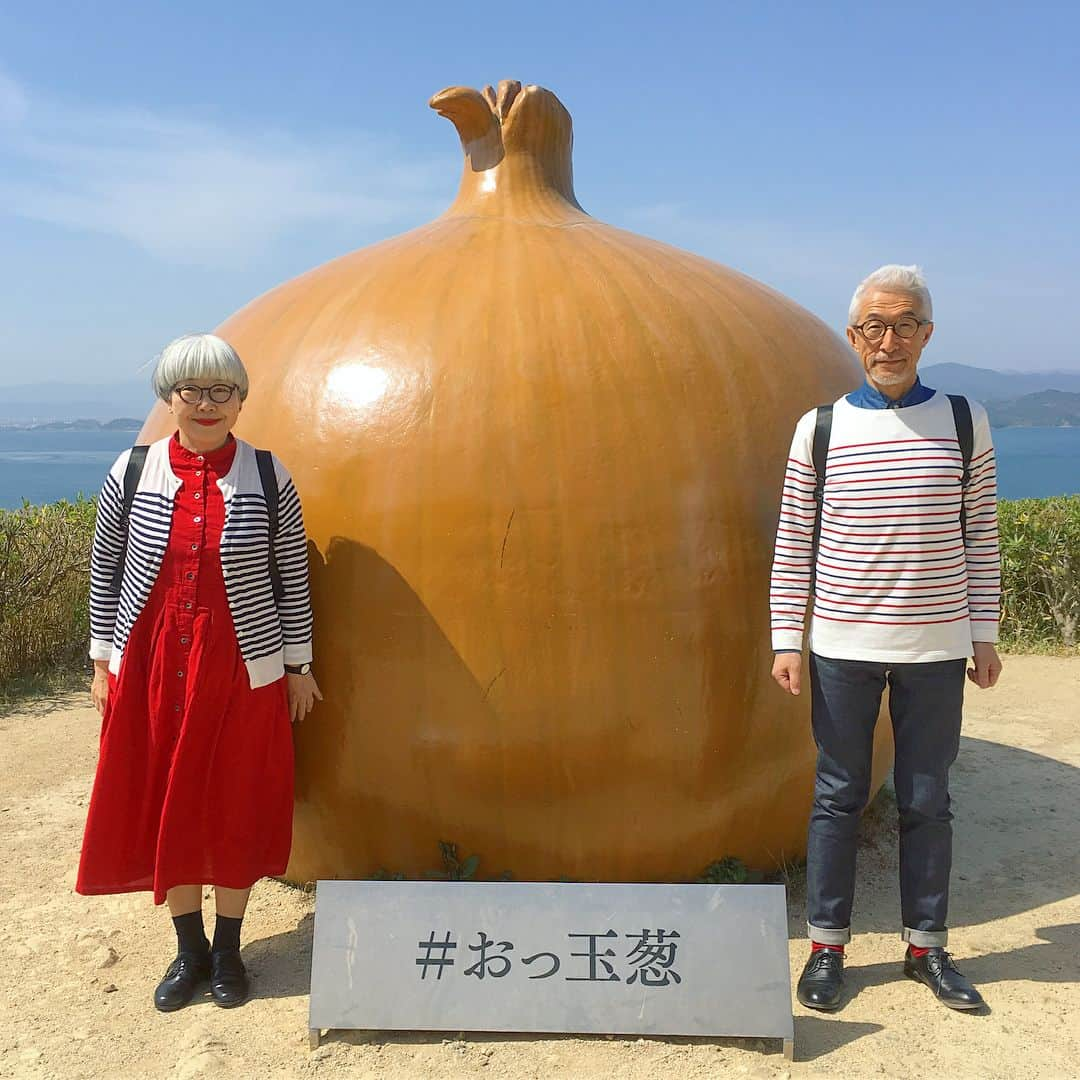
198, 356
894, 278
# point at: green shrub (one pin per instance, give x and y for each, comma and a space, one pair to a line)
44, 586
45, 581
1040, 571
725, 871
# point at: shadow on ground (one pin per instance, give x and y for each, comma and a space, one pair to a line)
281, 965
816, 1036
1017, 848
35, 700
1053, 960
1016, 842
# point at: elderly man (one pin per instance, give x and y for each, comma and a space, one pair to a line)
889, 520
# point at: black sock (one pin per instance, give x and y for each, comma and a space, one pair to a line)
226, 933
190, 935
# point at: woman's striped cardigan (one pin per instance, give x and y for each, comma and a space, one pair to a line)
270, 634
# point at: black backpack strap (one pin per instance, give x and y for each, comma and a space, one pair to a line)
820, 456
268, 478
134, 470
965, 436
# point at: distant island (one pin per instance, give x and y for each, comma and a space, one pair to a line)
124, 423
1012, 398
986, 384
1048, 408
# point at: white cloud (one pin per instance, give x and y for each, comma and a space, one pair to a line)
195, 191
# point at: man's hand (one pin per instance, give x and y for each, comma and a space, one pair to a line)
303, 690
787, 671
99, 688
987, 665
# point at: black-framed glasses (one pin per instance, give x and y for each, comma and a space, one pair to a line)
907, 326
219, 393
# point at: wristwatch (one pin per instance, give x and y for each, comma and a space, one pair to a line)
297, 669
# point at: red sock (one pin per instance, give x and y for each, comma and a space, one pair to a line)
817, 947
916, 951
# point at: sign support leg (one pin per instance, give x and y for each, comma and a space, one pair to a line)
789, 1049
314, 1035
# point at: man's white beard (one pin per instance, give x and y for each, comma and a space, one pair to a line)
884, 376
889, 378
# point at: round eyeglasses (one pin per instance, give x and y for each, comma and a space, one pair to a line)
907, 326
219, 393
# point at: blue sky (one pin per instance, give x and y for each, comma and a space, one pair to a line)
162, 164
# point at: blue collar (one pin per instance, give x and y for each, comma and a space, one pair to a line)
869, 397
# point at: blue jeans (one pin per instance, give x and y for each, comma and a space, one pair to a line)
925, 703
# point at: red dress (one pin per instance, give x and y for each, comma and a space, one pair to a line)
194, 781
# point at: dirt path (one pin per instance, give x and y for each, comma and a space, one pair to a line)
75, 1001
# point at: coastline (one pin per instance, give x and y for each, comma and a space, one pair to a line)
45, 464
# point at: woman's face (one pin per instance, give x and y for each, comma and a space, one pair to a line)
204, 422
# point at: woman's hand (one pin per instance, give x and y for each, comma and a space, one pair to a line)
303, 690
99, 688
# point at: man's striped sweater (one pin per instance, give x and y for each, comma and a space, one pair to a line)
896, 582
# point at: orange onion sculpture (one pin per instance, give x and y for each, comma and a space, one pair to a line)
540, 460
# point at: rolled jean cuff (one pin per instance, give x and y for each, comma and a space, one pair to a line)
925, 939
825, 936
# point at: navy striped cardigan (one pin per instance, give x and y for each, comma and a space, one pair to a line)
269, 634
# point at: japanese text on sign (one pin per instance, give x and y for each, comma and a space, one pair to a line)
650, 961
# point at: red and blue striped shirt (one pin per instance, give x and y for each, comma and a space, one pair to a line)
895, 579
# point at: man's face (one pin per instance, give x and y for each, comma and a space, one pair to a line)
890, 362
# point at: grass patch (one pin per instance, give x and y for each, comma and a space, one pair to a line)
1037, 648
1040, 573
44, 590
45, 585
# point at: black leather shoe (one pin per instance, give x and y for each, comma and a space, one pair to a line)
228, 978
937, 970
182, 978
822, 980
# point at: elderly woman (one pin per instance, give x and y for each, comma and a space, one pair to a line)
201, 641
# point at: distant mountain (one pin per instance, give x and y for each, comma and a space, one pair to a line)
122, 424
42, 403
1047, 408
984, 384
37, 404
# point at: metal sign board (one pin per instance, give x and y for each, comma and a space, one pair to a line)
551, 957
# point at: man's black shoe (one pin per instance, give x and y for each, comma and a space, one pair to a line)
822, 980
936, 968
228, 978
182, 978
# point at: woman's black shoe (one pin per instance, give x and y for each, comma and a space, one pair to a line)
937, 970
822, 980
228, 978
182, 978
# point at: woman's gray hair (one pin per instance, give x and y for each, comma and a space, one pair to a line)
198, 356
894, 278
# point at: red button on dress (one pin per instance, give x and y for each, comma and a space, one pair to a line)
194, 781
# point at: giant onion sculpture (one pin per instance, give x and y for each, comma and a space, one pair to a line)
540, 460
